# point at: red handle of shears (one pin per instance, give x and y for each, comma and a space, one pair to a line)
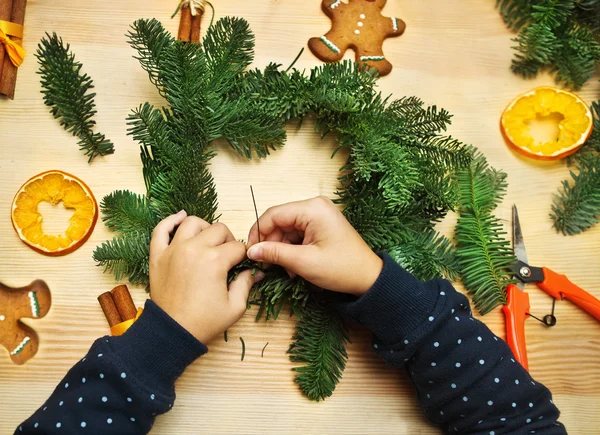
559, 287
516, 312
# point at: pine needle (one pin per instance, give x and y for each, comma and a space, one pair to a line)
262, 353
65, 91
243, 348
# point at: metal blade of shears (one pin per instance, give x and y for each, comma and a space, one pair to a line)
518, 242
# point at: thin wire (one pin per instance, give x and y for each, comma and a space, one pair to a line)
213, 13
255, 212
536, 318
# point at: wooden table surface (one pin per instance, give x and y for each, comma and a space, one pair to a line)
454, 54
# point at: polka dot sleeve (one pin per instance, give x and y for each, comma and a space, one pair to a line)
466, 378
123, 383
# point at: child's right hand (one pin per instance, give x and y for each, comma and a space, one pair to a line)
313, 239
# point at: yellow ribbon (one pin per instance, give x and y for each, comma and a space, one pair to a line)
15, 51
121, 328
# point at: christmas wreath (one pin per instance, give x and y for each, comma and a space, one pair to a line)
401, 177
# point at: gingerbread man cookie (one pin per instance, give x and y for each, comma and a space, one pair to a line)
359, 25
32, 302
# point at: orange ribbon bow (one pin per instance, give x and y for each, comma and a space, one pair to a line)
15, 51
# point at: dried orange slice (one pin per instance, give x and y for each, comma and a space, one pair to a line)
569, 113
54, 187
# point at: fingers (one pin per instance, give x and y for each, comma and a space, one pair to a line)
294, 258
162, 232
240, 288
189, 228
285, 217
216, 235
233, 252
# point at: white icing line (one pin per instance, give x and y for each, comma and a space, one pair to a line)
21, 345
395, 23
35, 309
335, 4
372, 57
330, 44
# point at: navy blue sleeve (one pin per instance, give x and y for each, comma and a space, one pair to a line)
466, 378
123, 383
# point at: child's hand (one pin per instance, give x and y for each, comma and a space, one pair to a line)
314, 240
188, 277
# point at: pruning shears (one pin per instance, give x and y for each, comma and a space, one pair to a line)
556, 285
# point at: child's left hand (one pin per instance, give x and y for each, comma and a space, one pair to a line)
188, 277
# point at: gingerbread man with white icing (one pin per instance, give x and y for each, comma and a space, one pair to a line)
359, 25
31, 302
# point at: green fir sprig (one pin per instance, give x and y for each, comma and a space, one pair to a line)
561, 36
320, 344
576, 206
399, 180
484, 253
65, 90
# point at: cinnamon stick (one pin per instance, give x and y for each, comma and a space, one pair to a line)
195, 32
8, 77
110, 309
185, 24
124, 302
5, 13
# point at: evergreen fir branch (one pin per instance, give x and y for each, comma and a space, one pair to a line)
150, 40
484, 254
394, 171
427, 256
557, 35
443, 152
229, 50
592, 145
516, 13
577, 205
378, 225
576, 59
177, 191
536, 43
149, 128
276, 290
320, 340
65, 91
126, 257
293, 91
126, 212
427, 122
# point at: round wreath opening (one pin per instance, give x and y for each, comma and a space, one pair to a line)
399, 180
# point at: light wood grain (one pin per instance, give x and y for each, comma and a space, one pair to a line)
454, 54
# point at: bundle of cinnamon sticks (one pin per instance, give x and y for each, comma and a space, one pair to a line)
12, 11
117, 305
189, 22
